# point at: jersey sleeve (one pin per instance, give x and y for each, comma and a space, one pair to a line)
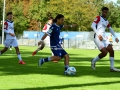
97, 19
50, 31
45, 27
5, 26
108, 25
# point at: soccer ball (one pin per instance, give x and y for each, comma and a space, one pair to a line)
71, 71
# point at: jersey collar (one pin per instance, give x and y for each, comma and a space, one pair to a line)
104, 18
49, 24
9, 21
56, 25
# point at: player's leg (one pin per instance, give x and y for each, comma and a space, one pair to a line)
100, 56
48, 59
111, 57
66, 62
56, 57
10, 47
15, 45
7, 44
4, 50
101, 46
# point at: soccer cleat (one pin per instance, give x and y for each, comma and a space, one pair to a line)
114, 70
65, 72
34, 53
21, 62
92, 65
40, 62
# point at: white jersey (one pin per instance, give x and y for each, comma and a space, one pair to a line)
9, 28
101, 25
46, 27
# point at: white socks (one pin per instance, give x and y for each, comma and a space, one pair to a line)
111, 62
96, 59
19, 57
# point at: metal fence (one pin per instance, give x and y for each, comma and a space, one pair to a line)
68, 43
82, 40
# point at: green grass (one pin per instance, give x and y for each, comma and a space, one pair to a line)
50, 76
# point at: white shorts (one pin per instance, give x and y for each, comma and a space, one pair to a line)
12, 42
101, 44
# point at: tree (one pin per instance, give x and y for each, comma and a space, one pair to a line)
33, 14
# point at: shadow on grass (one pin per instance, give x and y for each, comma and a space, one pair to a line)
70, 86
9, 65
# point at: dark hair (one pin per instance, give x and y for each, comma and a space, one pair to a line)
49, 18
104, 8
59, 16
9, 13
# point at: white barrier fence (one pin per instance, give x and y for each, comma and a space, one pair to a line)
68, 43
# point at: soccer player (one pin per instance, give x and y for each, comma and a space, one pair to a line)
56, 48
46, 28
48, 24
99, 26
10, 37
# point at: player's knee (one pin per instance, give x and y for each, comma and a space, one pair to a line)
16, 48
66, 56
111, 52
105, 53
58, 58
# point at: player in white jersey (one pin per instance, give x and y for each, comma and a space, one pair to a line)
99, 26
46, 28
10, 37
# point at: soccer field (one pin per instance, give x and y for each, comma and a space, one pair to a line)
50, 76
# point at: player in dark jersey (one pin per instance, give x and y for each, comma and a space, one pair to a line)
56, 48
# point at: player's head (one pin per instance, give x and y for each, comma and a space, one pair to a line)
104, 11
50, 20
59, 19
9, 15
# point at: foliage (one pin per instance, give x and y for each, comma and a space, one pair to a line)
33, 14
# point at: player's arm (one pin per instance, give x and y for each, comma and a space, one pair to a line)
6, 29
48, 33
42, 39
94, 27
113, 33
94, 24
69, 26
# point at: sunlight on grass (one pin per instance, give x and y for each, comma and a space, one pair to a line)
50, 76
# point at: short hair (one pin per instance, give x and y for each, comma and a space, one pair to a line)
105, 8
9, 13
49, 18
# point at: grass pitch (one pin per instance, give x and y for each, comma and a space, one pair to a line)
50, 76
